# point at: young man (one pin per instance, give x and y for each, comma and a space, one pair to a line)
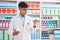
21, 25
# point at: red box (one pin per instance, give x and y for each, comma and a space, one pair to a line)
14, 11
0, 10
8, 10
3, 10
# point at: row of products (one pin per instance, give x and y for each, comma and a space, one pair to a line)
44, 35
34, 5
8, 10
49, 23
4, 35
8, 4
51, 11
34, 17
53, 17
32, 12
57, 34
46, 17
35, 36
36, 12
4, 24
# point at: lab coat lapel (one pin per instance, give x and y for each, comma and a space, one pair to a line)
26, 35
25, 21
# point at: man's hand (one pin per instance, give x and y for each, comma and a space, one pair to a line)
15, 33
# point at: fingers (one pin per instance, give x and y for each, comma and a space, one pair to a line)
15, 32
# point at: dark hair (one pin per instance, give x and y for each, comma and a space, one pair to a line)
22, 5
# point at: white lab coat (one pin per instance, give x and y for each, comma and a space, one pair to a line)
17, 24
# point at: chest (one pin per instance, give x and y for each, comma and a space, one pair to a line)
19, 24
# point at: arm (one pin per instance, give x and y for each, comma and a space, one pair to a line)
32, 26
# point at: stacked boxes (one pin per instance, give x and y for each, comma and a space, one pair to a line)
45, 35
57, 34
35, 36
49, 23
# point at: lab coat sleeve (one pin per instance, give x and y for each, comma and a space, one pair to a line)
10, 30
31, 25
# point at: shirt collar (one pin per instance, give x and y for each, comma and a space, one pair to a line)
21, 16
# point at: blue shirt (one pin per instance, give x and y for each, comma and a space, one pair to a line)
22, 19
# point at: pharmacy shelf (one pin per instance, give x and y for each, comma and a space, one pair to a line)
36, 19
50, 19
33, 9
30, 0
50, 8
49, 15
34, 14
49, 28
9, 14
3, 28
50, 0
5, 19
8, 0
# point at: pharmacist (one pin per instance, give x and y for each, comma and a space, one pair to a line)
21, 25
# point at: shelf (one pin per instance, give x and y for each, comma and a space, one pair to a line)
33, 14
30, 0
50, 19
8, 14
49, 28
3, 28
50, 0
49, 15
8, 0
5, 19
36, 19
32, 9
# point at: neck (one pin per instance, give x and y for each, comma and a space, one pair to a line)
22, 15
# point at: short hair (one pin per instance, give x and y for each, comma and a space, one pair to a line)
23, 5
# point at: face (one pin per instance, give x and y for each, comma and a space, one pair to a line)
23, 11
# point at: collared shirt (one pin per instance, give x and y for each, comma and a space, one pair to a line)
22, 19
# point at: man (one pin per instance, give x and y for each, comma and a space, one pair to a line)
21, 25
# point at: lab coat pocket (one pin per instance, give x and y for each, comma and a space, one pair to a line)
28, 29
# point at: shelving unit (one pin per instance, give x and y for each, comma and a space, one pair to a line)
50, 16
8, 9
34, 13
